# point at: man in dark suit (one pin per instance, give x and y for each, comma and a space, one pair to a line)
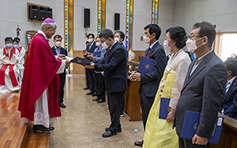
89, 73
150, 81
229, 104
114, 67
57, 49
203, 86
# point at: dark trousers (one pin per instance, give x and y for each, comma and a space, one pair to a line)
114, 103
186, 143
87, 83
146, 104
100, 85
62, 83
89, 73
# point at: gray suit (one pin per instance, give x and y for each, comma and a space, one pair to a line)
150, 81
202, 92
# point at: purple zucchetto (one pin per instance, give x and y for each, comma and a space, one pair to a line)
48, 20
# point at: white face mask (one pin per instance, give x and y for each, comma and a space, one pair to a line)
58, 44
146, 39
116, 39
9, 45
191, 45
90, 40
105, 45
98, 44
166, 46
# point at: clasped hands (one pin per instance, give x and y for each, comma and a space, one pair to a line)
135, 76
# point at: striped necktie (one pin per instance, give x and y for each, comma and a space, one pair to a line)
227, 86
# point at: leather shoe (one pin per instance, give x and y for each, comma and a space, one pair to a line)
119, 129
41, 128
109, 133
62, 105
101, 101
86, 88
138, 143
97, 99
94, 94
90, 93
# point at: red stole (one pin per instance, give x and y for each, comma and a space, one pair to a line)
20, 48
40, 71
11, 71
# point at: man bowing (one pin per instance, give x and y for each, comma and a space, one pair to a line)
41, 82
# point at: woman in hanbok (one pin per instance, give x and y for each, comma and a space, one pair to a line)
159, 131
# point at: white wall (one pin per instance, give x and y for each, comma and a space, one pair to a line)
79, 30
14, 12
221, 13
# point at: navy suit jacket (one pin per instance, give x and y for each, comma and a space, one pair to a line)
93, 47
150, 81
114, 67
202, 92
229, 103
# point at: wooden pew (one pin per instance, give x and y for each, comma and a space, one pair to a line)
228, 138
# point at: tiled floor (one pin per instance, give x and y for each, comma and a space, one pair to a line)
83, 122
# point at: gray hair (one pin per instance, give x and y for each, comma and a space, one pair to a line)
51, 25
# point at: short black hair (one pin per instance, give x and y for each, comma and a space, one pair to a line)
17, 38
206, 29
153, 28
106, 33
231, 65
178, 34
121, 34
91, 34
57, 36
96, 37
87, 42
8, 39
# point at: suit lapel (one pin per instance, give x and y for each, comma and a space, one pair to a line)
152, 49
199, 68
54, 51
232, 86
110, 51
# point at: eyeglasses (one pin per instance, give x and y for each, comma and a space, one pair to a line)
190, 37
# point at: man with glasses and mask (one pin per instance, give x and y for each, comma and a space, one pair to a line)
114, 67
150, 81
203, 86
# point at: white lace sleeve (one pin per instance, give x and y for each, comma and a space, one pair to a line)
62, 67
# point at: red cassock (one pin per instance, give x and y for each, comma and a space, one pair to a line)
40, 71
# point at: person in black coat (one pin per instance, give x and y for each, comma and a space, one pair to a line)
150, 81
57, 49
114, 67
203, 86
89, 73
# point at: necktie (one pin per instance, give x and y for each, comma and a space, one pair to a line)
148, 50
227, 86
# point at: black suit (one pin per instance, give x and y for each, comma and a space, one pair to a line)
114, 67
202, 92
62, 75
150, 81
89, 72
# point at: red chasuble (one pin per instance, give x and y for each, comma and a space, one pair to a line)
40, 73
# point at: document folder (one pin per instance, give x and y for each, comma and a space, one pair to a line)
81, 61
96, 54
164, 108
190, 125
146, 65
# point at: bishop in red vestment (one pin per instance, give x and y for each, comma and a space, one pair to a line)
40, 84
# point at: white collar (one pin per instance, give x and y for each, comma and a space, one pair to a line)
231, 80
199, 59
153, 44
41, 32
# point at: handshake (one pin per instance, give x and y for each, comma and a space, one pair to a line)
63, 57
